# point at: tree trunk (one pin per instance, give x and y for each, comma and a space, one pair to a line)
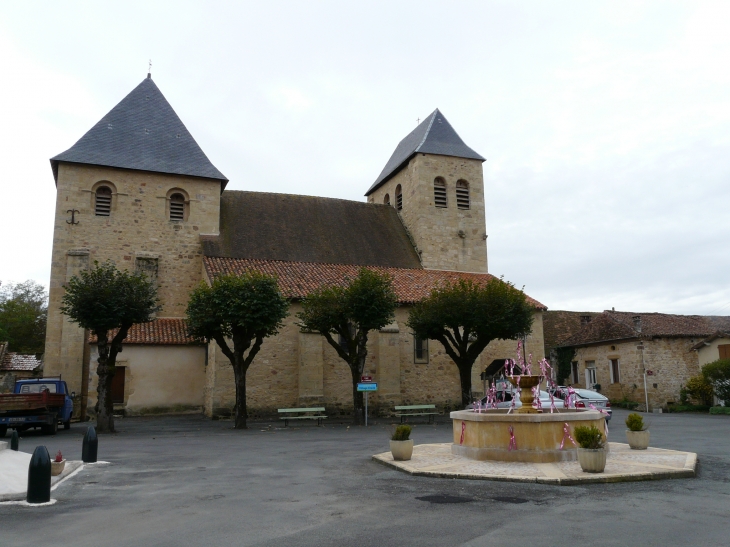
239, 373
465, 380
357, 398
105, 372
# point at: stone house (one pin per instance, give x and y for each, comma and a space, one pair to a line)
137, 189
17, 366
615, 349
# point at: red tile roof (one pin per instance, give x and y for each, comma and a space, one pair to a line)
165, 332
297, 279
17, 361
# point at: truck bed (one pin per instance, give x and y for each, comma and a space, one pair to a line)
12, 402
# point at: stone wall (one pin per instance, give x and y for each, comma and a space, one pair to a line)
138, 233
446, 238
670, 359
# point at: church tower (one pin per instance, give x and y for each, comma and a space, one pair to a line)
435, 182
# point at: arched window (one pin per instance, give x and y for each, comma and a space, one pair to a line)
439, 192
103, 201
398, 198
177, 207
462, 194
386, 199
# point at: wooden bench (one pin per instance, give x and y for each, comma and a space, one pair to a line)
307, 414
416, 410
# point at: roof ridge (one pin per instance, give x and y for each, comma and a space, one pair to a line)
428, 130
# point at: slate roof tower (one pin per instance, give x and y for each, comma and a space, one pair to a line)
435, 182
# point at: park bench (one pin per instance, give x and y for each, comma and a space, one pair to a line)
416, 410
313, 413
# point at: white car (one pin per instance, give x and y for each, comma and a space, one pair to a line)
584, 398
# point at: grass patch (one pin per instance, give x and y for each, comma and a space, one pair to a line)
720, 410
631, 405
688, 408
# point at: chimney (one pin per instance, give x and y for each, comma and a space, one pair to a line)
584, 320
637, 323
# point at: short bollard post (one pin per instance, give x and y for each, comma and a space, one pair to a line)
39, 476
14, 440
90, 446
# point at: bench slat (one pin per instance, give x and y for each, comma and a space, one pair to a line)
313, 409
302, 417
415, 407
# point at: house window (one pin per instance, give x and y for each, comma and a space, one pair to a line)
462, 194
615, 375
386, 199
574, 370
439, 192
103, 201
177, 207
398, 198
118, 385
420, 350
590, 374
724, 350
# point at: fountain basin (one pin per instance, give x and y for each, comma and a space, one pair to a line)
486, 434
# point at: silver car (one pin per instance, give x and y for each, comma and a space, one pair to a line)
504, 400
584, 398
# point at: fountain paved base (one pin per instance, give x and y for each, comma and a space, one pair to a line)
622, 464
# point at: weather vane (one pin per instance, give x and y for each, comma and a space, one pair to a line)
149, 67
418, 120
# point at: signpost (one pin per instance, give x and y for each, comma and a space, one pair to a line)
367, 386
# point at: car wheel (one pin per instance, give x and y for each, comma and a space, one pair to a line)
67, 424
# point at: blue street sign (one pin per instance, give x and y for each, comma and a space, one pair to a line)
368, 386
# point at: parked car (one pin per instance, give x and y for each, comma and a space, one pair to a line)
504, 400
586, 397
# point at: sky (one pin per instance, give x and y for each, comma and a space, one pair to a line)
606, 125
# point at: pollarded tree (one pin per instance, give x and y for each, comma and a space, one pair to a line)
244, 309
350, 312
465, 316
108, 302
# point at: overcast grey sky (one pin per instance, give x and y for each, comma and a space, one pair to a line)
606, 125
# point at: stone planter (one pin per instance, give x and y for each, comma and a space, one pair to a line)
57, 467
638, 440
592, 461
401, 450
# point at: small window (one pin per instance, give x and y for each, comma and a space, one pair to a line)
574, 370
398, 198
439, 192
462, 194
103, 202
420, 350
590, 374
177, 207
615, 375
386, 199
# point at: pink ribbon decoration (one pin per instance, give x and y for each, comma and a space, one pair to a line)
515, 396
552, 403
570, 403
566, 434
463, 428
512, 442
605, 422
536, 394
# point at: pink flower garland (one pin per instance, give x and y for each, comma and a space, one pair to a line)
512, 442
566, 434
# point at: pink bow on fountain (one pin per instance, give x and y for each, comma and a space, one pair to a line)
463, 428
536, 397
569, 400
552, 403
516, 395
566, 434
512, 442
605, 422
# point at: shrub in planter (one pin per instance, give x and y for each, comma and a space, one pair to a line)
401, 445
637, 433
591, 452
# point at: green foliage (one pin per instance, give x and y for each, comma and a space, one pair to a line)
625, 403
245, 309
688, 408
589, 437
700, 390
635, 422
350, 312
23, 312
565, 358
720, 410
717, 375
465, 316
402, 433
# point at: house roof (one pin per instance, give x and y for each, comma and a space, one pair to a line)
11, 361
142, 132
613, 325
164, 331
266, 226
715, 336
298, 279
558, 325
434, 135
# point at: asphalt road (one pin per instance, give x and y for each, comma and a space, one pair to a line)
188, 480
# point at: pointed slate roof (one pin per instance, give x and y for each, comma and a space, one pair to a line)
434, 135
142, 132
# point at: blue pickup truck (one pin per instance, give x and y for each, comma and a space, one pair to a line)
42, 402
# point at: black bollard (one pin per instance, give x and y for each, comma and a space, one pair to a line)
14, 440
39, 476
90, 446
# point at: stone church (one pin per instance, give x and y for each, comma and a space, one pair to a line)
138, 190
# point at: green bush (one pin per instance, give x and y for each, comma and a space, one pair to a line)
717, 374
699, 389
688, 408
635, 422
402, 433
720, 410
589, 437
625, 403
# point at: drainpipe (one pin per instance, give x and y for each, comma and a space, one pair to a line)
643, 368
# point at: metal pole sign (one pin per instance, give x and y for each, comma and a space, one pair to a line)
367, 387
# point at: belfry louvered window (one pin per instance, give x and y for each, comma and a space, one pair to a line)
462, 194
177, 207
398, 198
103, 202
386, 199
439, 192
